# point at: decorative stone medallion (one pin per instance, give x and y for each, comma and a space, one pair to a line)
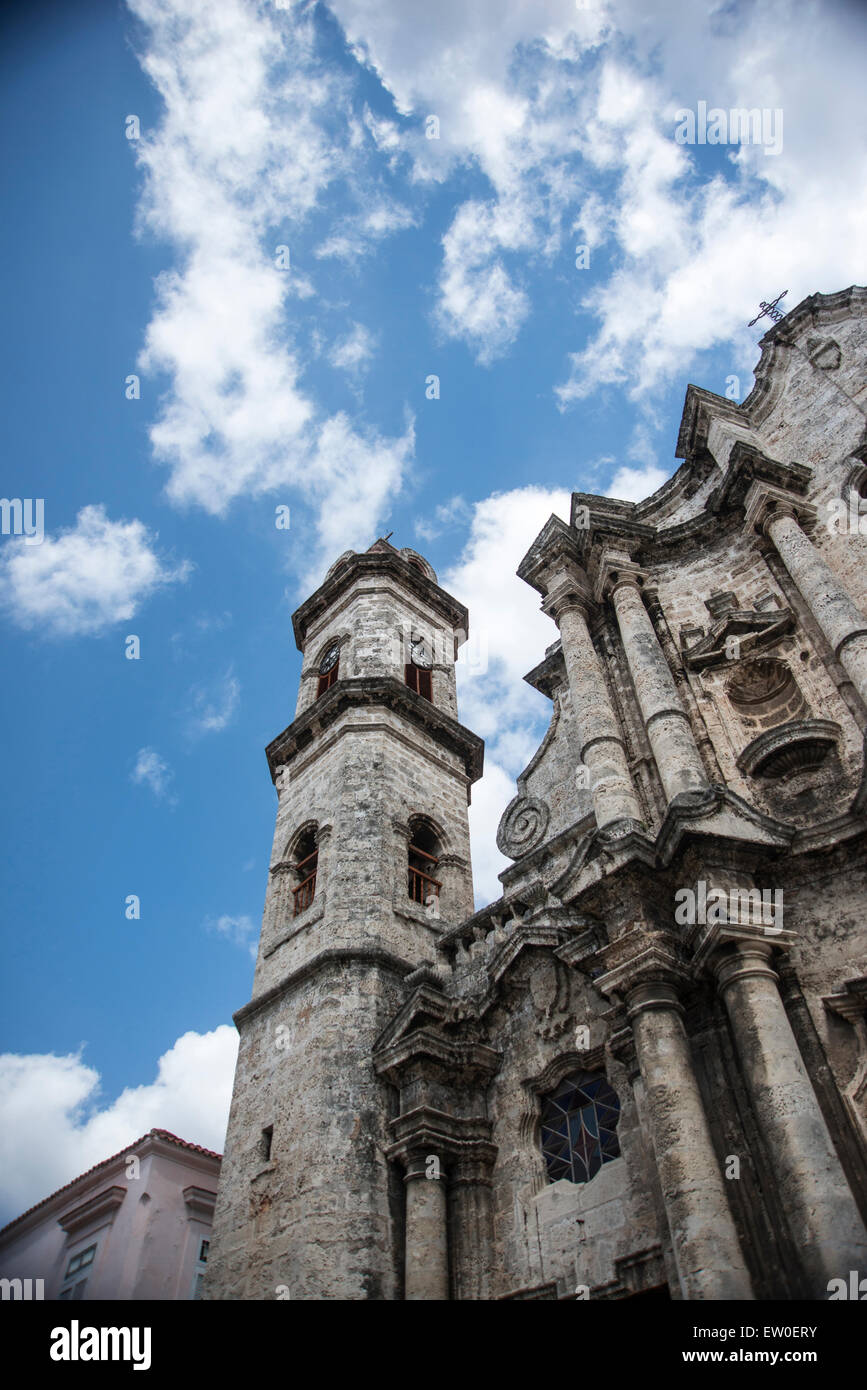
523, 826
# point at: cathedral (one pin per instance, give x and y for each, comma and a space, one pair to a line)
642, 1070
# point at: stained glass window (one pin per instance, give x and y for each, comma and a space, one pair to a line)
579, 1127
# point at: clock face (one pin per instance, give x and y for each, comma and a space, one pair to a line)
419, 652
329, 659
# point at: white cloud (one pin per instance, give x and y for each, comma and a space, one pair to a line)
547, 99
455, 512
214, 704
240, 931
479, 300
355, 478
354, 351
508, 636
634, 484
151, 770
358, 234
89, 577
52, 1126
255, 130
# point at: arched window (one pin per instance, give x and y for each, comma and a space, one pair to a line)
328, 669
579, 1127
305, 859
417, 672
424, 856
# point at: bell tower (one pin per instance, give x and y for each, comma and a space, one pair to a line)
370, 864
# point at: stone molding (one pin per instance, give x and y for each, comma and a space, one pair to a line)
797, 745
765, 501
387, 692
753, 629
353, 955
95, 1211
200, 1203
375, 563
647, 959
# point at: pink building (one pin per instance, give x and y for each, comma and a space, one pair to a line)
136, 1226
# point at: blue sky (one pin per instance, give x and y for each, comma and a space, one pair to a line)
306, 126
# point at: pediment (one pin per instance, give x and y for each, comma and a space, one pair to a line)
738, 633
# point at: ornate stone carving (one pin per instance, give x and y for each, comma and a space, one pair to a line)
523, 826
799, 746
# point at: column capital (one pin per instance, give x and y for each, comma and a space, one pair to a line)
567, 587
616, 569
748, 960
764, 503
711, 939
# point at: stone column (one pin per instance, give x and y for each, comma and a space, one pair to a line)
821, 1210
668, 727
601, 741
427, 1264
472, 1223
705, 1243
830, 603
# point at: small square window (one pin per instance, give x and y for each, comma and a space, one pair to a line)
81, 1260
203, 1251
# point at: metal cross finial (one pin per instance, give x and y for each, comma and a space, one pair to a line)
770, 309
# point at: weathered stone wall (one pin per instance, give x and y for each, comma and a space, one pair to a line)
562, 1233
320, 1218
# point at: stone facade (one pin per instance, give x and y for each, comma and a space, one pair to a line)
683, 918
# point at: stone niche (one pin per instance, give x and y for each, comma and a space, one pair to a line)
764, 693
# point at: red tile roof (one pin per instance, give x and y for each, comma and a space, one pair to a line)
157, 1133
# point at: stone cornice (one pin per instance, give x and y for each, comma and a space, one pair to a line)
700, 409
200, 1202
465, 1141
555, 542
722, 813
463, 1062
385, 692
375, 563
765, 501
362, 955
549, 673
641, 956
95, 1211
850, 1002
